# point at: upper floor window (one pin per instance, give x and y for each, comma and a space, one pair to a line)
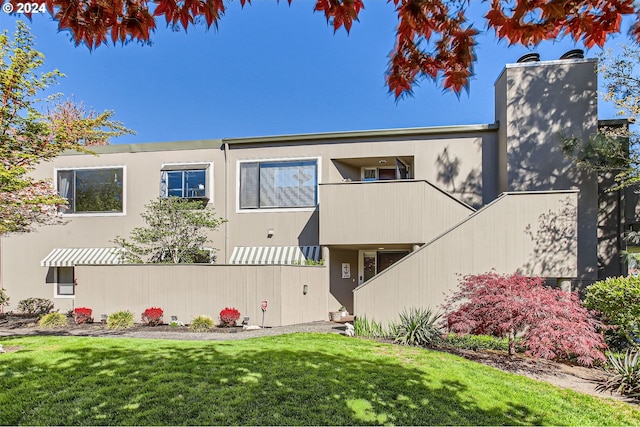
279, 184
97, 190
187, 181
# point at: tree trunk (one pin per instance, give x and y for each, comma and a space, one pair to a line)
512, 342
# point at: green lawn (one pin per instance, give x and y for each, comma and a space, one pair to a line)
301, 379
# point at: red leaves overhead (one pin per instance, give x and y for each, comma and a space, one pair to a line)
343, 12
419, 21
90, 21
531, 21
432, 38
186, 11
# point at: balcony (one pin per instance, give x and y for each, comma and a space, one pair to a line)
386, 212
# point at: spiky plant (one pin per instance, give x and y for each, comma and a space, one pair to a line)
366, 328
120, 320
53, 320
201, 323
624, 374
417, 327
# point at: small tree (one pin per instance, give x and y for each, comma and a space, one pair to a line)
33, 130
552, 323
176, 233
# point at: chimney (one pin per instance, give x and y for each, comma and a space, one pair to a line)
530, 57
573, 54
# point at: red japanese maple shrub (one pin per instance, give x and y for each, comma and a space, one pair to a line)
152, 316
552, 323
82, 315
229, 316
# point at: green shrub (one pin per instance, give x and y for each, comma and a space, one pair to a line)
201, 323
120, 320
476, 342
53, 320
618, 300
624, 374
35, 306
417, 327
366, 328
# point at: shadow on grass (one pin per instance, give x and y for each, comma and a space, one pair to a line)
330, 381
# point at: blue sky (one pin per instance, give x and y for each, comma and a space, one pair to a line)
270, 69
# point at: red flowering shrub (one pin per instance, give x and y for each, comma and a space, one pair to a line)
82, 315
152, 316
552, 323
229, 316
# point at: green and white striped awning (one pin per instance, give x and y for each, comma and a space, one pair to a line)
297, 255
68, 257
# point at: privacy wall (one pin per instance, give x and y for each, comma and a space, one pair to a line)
295, 294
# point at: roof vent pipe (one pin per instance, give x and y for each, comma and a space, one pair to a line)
529, 57
573, 54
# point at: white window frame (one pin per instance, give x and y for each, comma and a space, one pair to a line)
55, 283
318, 160
90, 214
207, 166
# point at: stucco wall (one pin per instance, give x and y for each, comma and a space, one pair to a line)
539, 104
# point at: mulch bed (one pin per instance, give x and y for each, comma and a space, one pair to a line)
13, 321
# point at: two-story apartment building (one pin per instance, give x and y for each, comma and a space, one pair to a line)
388, 219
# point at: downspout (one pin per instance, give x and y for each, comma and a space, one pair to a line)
226, 203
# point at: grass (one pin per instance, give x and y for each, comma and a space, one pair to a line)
301, 379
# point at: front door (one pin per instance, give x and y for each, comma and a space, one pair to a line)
367, 266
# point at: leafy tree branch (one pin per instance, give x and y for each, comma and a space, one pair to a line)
33, 130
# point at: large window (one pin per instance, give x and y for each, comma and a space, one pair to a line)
281, 184
184, 183
92, 190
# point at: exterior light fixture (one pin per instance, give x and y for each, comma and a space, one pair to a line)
305, 289
270, 233
382, 162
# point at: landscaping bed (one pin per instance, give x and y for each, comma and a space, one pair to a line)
13, 321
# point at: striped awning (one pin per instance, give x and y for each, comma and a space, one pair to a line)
68, 257
297, 255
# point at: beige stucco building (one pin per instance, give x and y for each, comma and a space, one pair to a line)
377, 221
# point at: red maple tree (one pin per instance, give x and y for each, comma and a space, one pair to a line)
433, 38
552, 323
